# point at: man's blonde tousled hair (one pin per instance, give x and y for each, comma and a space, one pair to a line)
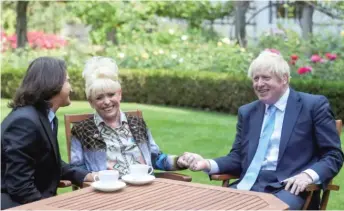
271, 62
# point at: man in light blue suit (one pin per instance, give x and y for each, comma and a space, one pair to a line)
285, 141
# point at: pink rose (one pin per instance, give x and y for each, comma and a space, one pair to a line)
316, 58
303, 70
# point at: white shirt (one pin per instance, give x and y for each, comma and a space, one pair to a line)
271, 157
51, 116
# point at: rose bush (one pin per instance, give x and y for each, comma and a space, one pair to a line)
320, 57
185, 50
36, 39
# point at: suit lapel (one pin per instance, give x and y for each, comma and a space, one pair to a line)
256, 121
291, 114
52, 139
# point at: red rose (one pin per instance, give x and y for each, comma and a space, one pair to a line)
294, 57
305, 69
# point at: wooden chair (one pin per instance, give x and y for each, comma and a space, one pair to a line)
225, 178
71, 119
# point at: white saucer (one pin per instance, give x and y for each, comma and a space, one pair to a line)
138, 180
108, 187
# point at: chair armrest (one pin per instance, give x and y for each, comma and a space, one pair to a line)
314, 187
173, 176
64, 183
332, 187
223, 177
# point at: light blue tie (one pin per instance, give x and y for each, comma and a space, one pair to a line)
253, 170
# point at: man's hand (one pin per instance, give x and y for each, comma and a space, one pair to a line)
201, 165
193, 161
298, 183
90, 177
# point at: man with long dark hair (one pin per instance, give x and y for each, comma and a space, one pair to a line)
31, 165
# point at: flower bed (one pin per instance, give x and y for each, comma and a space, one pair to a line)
39, 40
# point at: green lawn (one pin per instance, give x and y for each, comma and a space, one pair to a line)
177, 130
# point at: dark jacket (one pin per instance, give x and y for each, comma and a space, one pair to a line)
31, 165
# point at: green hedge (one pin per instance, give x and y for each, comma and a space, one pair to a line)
205, 90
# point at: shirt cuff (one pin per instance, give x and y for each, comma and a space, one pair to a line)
313, 175
214, 168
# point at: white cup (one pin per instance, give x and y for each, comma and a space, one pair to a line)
107, 176
140, 170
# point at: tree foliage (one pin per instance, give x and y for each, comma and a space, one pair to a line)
112, 17
194, 12
334, 9
127, 17
8, 16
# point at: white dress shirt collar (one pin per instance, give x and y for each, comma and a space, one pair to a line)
281, 104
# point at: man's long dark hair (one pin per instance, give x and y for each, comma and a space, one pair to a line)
44, 79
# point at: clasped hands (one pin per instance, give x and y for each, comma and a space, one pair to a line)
196, 162
193, 161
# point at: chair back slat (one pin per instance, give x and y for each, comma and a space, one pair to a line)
71, 119
339, 125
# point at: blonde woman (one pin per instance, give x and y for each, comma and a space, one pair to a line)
110, 139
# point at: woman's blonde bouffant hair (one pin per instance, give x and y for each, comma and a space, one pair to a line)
101, 76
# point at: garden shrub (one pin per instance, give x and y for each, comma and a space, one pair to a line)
196, 89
